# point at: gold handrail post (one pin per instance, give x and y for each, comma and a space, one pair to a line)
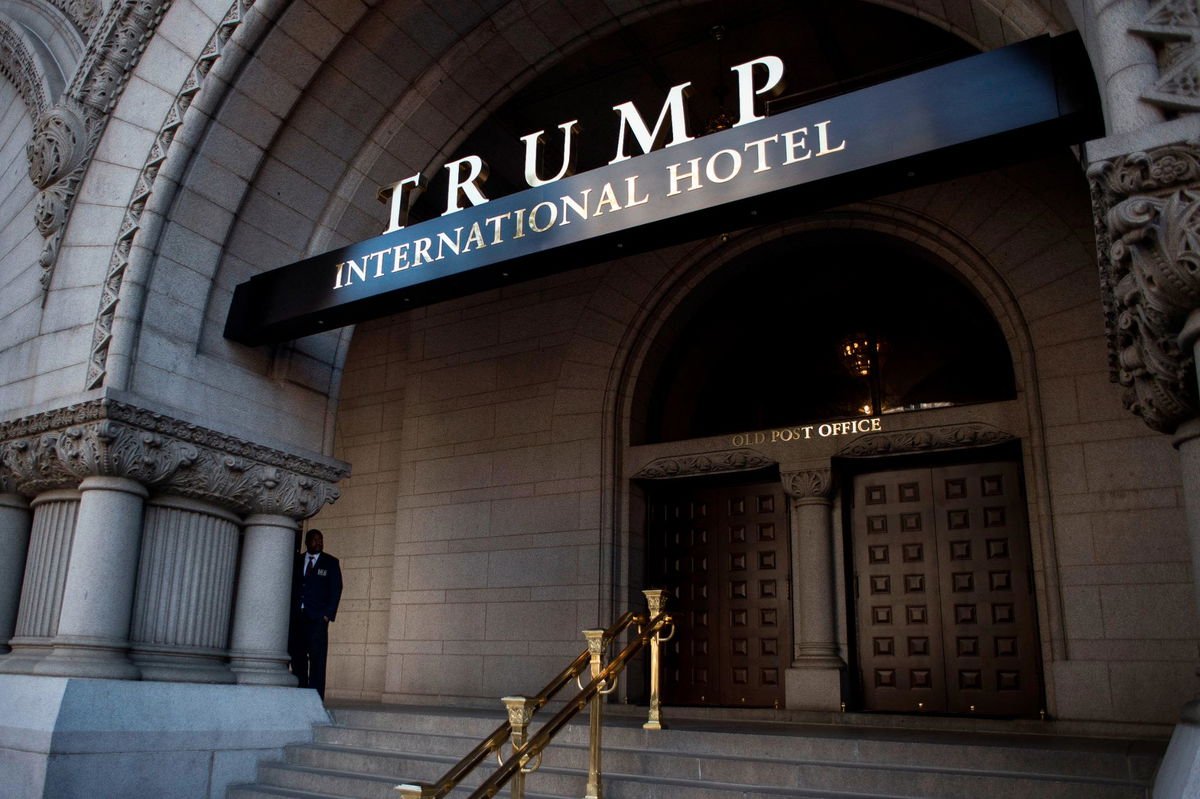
656, 599
520, 713
596, 644
417, 791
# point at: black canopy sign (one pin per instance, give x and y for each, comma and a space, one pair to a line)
1000, 106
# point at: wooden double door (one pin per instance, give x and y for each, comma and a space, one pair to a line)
946, 619
722, 554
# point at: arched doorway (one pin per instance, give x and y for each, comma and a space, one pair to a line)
774, 352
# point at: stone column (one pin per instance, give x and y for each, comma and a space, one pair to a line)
258, 650
1147, 216
814, 680
15, 521
90, 468
184, 591
45, 565
97, 599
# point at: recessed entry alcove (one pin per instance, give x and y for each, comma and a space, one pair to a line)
821, 325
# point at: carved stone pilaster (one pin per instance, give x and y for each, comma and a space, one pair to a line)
1173, 27
106, 438
809, 485
733, 460
1145, 208
65, 136
813, 681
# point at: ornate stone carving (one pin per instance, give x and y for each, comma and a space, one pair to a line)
18, 65
975, 434
1145, 209
59, 142
1173, 26
84, 13
119, 262
808, 484
58, 449
733, 460
66, 136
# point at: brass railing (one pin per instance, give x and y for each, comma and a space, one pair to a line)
527, 749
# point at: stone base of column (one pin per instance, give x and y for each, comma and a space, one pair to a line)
261, 668
87, 657
25, 655
1179, 773
181, 664
102, 738
814, 684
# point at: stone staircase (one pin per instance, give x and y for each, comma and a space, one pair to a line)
368, 750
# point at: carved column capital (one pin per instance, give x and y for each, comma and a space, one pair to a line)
1145, 208
59, 449
8, 480
808, 485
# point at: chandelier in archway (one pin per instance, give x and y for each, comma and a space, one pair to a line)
862, 355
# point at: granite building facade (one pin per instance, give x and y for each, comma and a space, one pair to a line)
501, 470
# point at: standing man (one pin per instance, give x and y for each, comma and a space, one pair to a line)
316, 589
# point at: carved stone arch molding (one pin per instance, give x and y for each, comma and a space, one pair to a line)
1173, 28
66, 135
85, 15
131, 226
21, 64
727, 461
925, 439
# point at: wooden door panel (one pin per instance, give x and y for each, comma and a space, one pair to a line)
756, 590
897, 593
722, 554
988, 608
944, 594
680, 537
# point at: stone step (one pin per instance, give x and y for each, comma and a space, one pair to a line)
671, 756
370, 750
309, 780
273, 792
1081, 757
562, 774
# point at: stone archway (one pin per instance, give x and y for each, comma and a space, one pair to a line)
992, 281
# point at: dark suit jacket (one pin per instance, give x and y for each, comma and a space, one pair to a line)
320, 590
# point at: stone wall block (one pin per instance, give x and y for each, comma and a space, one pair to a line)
184, 591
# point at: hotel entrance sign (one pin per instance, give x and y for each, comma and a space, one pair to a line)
977, 113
